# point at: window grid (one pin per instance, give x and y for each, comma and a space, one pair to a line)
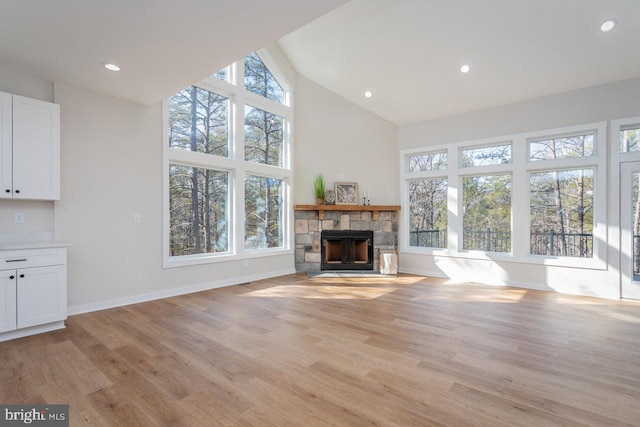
255, 218
590, 252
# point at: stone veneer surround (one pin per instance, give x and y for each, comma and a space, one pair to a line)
308, 229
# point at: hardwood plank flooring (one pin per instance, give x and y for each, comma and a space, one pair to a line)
298, 351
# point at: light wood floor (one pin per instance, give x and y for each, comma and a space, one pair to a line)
293, 351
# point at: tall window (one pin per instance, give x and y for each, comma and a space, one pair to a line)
562, 212
486, 199
486, 213
428, 199
428, 212
226, 154
562, 200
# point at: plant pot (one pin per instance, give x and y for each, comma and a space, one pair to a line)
320, 201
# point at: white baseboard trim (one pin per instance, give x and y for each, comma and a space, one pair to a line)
135, 299
32, 330
427, 273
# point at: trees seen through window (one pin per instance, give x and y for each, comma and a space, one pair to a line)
203, 190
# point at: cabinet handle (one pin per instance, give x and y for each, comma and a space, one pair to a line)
17, 191
22, 275
7, 191
12, 277
16, 260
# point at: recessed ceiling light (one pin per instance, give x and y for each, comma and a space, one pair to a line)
608, 25
111, 67
465, 69
368, 94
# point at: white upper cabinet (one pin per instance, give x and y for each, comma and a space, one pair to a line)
6, 145
29, 148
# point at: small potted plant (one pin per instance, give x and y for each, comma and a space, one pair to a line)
318, 185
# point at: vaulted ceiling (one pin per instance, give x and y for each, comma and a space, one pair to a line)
408, 53
160, 45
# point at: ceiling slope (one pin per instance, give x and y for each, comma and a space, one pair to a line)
409, 52
160, 45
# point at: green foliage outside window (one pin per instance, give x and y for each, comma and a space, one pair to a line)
487, 213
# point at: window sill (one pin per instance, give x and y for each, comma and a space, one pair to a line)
189, 260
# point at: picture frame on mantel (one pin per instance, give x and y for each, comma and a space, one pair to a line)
346, 193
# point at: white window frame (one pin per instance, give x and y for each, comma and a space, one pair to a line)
235, 164
408, 176
519, 168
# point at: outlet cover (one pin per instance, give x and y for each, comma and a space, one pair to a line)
18, 217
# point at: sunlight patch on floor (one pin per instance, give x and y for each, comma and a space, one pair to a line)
322, 292
480, 294
612, 314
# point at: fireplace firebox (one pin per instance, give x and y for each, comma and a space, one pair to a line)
346, 250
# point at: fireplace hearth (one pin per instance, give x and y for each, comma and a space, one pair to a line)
346, 250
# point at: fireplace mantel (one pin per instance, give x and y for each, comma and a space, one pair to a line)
374, 209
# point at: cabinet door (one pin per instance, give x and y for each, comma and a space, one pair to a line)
6, 143
36, 149
7, 300
41, 295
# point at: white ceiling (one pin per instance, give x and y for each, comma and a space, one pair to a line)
161, 45
409, 52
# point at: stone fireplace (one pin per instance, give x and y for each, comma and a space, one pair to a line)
311, 220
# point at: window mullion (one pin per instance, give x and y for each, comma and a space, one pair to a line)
520, 200
454, 202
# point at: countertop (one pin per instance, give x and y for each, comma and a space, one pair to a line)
13, 246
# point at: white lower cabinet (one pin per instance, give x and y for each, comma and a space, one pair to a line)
33, 291
8, 319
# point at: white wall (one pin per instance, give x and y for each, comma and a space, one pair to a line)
111, 169
605, 102
337, 138
601, 103
38, 215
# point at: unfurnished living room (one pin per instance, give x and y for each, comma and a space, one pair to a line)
304, 213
